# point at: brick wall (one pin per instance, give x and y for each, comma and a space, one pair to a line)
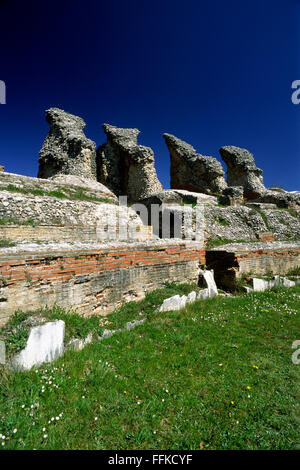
231, 264
264, 261
93, 281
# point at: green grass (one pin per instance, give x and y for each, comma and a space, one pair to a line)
263, 216
278, 189
294, 271
13, 221
221, 221
214, 243
223, 241
179, 381
18, 189
15, 333
6, 243
9, 221
292, 212
65, 193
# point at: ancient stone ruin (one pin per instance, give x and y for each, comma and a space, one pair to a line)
192, 171
126, 167
67, 239
66, 150
242, 171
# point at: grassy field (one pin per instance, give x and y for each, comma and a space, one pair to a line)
217, 375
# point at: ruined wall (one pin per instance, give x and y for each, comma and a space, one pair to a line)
246, 223
242, 171
192, 171
63, 183
94, 281
31, 210
232, 261
126, 167
49, 233
66, 150
49, 210
268, 261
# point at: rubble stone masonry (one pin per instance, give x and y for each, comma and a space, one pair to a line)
93, 281
233, 260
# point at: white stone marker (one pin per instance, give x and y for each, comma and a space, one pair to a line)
288, 283
191, 297
278, 281
260, 285
203, 294
78, 344
45, 343
172, 303
210, 282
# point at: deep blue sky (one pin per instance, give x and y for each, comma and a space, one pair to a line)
211, 72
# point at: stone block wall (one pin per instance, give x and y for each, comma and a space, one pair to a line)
108, 221
245, 223
63, 233
50, 210
231, 262
268, 261
48, 233
94, 281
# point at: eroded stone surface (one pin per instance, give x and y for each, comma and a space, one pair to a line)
232, 196
281, 199
126, 167
67, 184
179, 197
109, 221
66, 149
274, 246
242, 171
245, 223
81, 182
192, 171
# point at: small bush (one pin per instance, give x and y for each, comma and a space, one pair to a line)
294, 271
6, 243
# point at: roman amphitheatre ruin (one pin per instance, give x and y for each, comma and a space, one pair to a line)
68, 239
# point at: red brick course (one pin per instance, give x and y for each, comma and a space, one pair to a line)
55, 266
